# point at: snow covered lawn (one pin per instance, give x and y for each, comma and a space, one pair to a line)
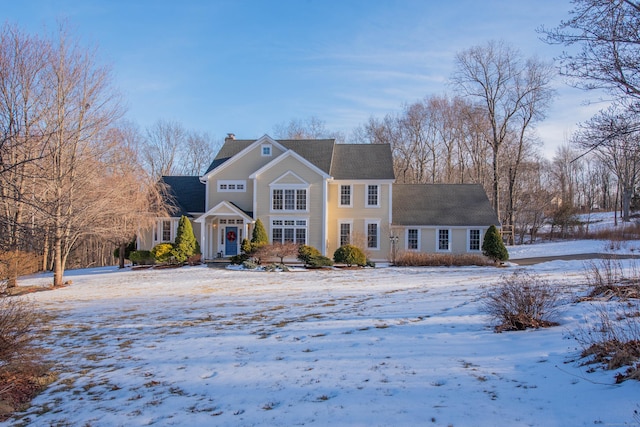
375, 347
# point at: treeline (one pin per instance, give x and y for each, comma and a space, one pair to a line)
70, 176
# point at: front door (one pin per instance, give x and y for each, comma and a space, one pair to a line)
231, 241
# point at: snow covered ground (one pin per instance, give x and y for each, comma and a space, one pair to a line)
374, 347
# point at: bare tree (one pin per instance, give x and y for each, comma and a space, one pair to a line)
200, 149
310, 128
496, 76
82, 106
612, 136
161, 149
23, 59
606, 32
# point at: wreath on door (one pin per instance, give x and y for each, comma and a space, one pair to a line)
231, 236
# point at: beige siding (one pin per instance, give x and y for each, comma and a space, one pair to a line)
428, 238
145, 239
283, 174
360, 215
239, 169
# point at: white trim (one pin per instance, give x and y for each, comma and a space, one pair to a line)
295, 226
340, 205
255, 198
325, 217
262, 140
157, 230
418, 237
231, 185
286, 155
235, 211
364, 181
345, 221
450, 236
367, 222
479, 241
366, 196
390, 186
293, 187
302, 184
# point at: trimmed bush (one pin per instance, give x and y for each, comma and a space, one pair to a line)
239, 259
162, 252
317, 261
185, 245
141, 258
350, 255
493, 247
305, 253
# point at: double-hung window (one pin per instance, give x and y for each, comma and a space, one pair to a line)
412, 239
345, 195
163, 230
373, 196
444, 240
345, 233
373, 234
474, 240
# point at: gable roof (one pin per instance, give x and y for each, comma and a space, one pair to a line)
186, 193
442, 205
362, 161
341, 161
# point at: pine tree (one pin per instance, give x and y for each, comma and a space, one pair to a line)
185, 244
259, 236
493, 247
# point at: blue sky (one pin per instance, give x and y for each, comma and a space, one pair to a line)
245, 66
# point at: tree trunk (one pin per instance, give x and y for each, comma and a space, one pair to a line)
496, 177
58, 267
123, 248
12, 268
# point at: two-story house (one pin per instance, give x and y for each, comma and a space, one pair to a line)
322, 194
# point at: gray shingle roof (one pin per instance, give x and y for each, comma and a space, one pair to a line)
362, 161
342, 161
187, 192
442, 205
316, 151
229, 149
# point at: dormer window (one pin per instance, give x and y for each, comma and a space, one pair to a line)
266, 150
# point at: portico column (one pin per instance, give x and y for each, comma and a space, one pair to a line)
204, 247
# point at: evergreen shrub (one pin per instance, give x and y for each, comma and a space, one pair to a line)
350, 255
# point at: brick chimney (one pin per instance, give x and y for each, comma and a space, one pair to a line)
230, 137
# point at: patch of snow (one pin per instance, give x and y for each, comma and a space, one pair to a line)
374, 347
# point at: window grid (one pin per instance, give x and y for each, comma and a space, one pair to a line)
166, 231
289, 200
231, 186
289, 231
289, 197
474, 240
412, 239
345, 195
443, 240
372, 236
372, 195
278, 199
345, 234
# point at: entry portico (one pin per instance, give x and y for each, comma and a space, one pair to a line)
222, 228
